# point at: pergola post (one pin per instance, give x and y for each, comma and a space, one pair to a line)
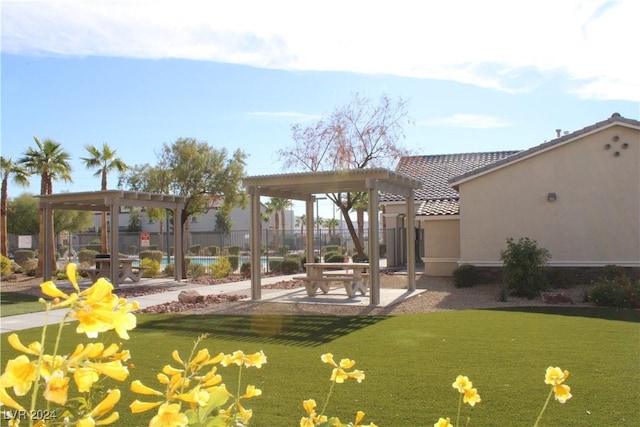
411, 246
310, 229
114, 266
374, 248
256, 236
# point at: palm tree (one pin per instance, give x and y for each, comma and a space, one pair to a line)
49, 161
20, 177
277, 206
331, 224
301, 221
104, 161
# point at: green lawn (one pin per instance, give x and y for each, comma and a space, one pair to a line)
12, 303
410, 362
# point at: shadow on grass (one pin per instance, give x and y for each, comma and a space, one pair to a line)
606, 313
305, 331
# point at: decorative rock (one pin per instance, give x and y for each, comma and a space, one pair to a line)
190, 296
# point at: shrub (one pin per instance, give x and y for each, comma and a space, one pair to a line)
275, 265
196, 270
194, 249
133, 249
214, 250
220, 269
5, 265
87, 256
282, 250
333, 248
465, 276
234, 260
618, 291
95, 245
150, 254
303, 260
290, 266
153, 267
333, 257
30, 266
523, 269
613, 271
364, 258
234, 250
245, 269
169, 269
21, 256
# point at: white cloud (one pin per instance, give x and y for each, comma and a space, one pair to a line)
486, 43
473, 121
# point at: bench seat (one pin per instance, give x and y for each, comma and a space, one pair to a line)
312, 284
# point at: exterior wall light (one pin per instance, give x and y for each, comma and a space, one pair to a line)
552, 197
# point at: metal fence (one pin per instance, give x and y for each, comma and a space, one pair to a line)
201, 243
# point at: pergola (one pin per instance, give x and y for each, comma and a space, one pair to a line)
110, 201
304, 187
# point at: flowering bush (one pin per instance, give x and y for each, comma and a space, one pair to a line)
191, 391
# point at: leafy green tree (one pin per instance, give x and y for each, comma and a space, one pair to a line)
8, 168
51, 162
104, 161
202, 174
224, 224
23, 215
362, 134
151, 180
135, 220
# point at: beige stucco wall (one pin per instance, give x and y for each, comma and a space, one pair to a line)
595, 220
442, 245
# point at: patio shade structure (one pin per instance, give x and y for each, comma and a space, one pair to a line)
304, 186
110, 201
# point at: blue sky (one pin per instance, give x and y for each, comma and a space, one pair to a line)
478, 76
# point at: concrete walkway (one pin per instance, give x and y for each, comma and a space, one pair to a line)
295, 295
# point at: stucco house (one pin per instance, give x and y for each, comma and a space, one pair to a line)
577, 195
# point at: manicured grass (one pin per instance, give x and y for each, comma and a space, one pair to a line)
12, 303
410, 362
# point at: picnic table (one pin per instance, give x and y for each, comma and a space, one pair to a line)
321, 274
126, 269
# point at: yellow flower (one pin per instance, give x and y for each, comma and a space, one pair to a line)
562, 392
51, 290
347, 363
138, 406
462, 383
356, 374
5, 399
443, 422
169, 416
471, 396
195, 396
309, 406
112, 369
328, 358
57, 388
34, 348
138, 387
20, 374
256, 360
102, 408
71, 275
252, 391
230, 359
555, 376
85, 378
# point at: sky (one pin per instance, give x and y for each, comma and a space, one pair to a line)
135, 74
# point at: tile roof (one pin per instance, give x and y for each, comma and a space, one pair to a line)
435, 172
